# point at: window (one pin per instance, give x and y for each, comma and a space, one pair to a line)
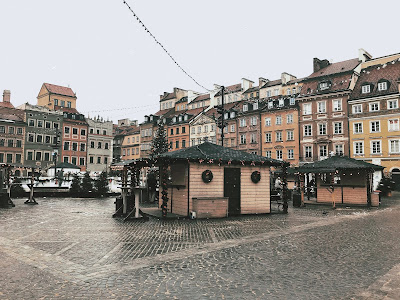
19, 131
268, 154
242, 122
62, 103
323, 151
394, 146
83, 147
184, 144
74, 130
69, 104
366, 89
81, 161
11, 129
307, 130
243, 139
245, 107
39, 138
31, 137
270, 104
281, 103
47, 156
268, 138
338, 127
18, 158
292, 100
267, 121
322, 107
392, 104
255, 104
375, 126
99, 160
56, 102
268, 93
47, 125
253, 121
99, 145
358, 148
83, 132
382, 86
337, 105
199, 129
290, 154
322, 128
232, 128
307, 151
358, 128
31, 123
253, 138
30, 155
66, 159
2, 129
106, 146
40, 123
276, 92
307, 109
66, 145
66, 130
73, 160
393, 125
289, 119
193, 130
177, 144
290, 135
376, 147
38, 155
19, 144
374, 106
106, 159
357, 108
278, 120
56, 125
279, 154
9, 158
288, 91
324, 85
91, 159
183, 129
279, 136
92, 145
339, 149
10, 143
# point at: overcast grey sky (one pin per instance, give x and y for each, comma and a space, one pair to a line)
99, 49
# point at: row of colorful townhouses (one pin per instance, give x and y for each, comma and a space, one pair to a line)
347, 108
31, 135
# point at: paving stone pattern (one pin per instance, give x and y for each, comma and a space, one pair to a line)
73, 249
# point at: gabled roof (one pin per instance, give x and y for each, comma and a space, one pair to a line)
59, 90
336, 68
168, 96
201, 98
334, 163
231, 89
252, 89
389, 71
337, 83
208, 151
272, 83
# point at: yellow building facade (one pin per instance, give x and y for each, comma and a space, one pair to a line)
53, 96
130, 148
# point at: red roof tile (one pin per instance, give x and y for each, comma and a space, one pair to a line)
231, 89
371, 75
272, 83
201, 98
336, 68
6, 104
59, 90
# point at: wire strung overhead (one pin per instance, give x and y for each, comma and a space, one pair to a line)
161, 45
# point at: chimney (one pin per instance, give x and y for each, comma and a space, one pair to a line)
246, 84
7, 96
320, 64
363, 55
262, 81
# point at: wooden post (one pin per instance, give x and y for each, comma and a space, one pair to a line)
284, 189
31, 199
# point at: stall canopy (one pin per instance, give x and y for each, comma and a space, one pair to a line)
211, 153
338, 163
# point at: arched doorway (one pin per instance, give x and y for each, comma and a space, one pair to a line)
396, 178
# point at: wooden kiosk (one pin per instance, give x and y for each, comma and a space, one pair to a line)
342, 180
211, 181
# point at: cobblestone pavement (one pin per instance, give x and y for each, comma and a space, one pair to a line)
73, 249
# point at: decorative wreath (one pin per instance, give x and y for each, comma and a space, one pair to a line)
207, 176
255, 176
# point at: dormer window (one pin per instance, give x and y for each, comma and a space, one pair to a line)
226, 116
180, 118
245, 107
232, 114
270, 104
174, 119
366, 89
281, 102
255, 105
324, 85
292, 101
151, 118
185, 117
382, 86
268, 93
